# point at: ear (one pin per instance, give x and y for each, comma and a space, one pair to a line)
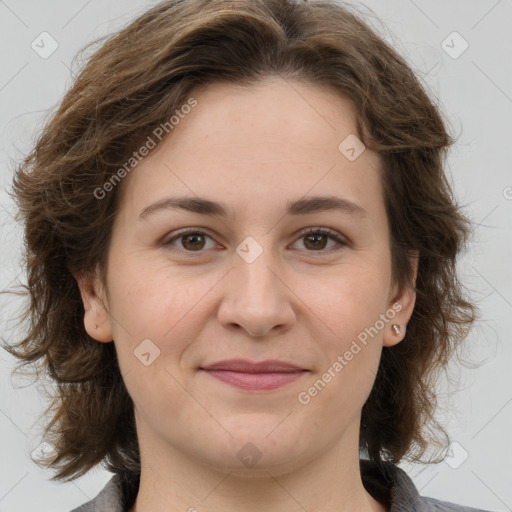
402, 305
97, 317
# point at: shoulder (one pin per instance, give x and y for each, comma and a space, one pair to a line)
437, 505
392, 485
108, 500
117, 496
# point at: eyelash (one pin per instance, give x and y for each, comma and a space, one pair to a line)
333, 235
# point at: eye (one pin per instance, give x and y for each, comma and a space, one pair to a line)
315, 240
191, 240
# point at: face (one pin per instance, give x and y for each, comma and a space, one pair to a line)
272, 277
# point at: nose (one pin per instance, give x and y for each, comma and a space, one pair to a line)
257, 298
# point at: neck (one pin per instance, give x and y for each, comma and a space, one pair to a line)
172, 480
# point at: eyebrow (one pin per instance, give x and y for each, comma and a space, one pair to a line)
300, 207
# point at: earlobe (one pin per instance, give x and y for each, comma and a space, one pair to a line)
401, 307
96, 316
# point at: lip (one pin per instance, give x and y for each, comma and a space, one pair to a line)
248, 375
245, 366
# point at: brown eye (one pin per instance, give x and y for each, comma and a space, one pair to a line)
193, 241
316, 240
189, 241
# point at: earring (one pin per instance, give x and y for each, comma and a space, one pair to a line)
396, 329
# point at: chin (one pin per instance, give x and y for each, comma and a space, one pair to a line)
256, 449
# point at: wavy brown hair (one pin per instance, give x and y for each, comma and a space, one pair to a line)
135, 80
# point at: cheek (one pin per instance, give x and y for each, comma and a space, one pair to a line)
348, 301
350, 318
162, 305
151, 296
157, 316
161, 400
349, 349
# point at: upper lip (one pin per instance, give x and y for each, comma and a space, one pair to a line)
244, 366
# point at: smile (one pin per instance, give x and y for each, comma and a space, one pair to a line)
257, 381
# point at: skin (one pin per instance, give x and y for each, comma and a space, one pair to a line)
254, 149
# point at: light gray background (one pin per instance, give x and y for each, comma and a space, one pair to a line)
474, 90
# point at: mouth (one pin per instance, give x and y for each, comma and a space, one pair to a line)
262, 376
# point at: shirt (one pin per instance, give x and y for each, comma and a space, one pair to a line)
385, 481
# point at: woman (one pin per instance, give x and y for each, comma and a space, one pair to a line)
241, 263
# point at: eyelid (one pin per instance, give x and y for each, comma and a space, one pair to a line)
185, 231
325, 231
340, 239
175, 235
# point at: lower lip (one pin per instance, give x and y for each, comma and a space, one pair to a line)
256, 381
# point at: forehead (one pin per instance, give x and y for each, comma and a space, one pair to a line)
270, 113
273, 141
